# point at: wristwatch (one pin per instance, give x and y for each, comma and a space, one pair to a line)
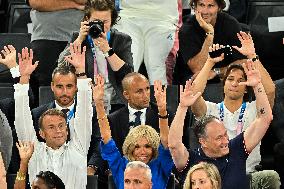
109, 53
217, 71
256, 58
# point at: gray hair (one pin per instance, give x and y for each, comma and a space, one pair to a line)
140, 165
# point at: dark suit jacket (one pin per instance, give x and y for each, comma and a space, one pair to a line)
119, 124
37, 112
121, 44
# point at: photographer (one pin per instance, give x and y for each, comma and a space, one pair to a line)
108, 52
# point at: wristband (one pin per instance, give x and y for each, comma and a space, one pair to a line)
210, 33
217, 71
80, 74
256, 58
21, 176
163, 117
109, 53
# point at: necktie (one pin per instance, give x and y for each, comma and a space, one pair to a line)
65, 111
137, 118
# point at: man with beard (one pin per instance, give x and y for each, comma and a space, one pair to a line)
64, 88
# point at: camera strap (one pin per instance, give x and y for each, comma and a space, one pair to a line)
240, 119
90, 40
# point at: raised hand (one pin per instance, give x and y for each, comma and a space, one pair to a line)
102, 43
77, 57
213, 48
26, 150
160, 95
84, 31
253, 75
9, 59
247, 47
187, 98
208, 28
26, 65
98, 89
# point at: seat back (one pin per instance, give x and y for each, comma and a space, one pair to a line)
19, 17
92, 182
45, 95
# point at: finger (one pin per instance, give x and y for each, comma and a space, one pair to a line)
71, 48
165, 89
20, 57
196, 96
23, 53
243, 83
11, 47
217, 46
245, 67
7, 50
180, 90
18, 145
237, 48
4, 53
31, 54
36, 64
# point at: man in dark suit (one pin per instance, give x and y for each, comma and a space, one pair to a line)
136, 90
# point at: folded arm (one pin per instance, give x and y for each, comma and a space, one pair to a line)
56, 5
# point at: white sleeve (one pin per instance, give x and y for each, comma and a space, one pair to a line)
15, 71
23, 117
83, 116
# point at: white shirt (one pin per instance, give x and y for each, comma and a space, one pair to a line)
231, 122
132, 116
69, 162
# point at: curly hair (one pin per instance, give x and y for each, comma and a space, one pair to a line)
137, 133
211, 171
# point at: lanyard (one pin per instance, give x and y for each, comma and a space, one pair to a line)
240, 119
70, 115
89, 38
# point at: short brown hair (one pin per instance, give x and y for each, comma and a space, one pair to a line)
221, 4
101, 5
51, 112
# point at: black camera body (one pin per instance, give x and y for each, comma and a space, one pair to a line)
96, 28
227, 50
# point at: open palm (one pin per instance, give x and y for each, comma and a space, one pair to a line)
253, 75
9, 59
187, 98
98, 89
77, 57
160, 95
26, 65
247, 47
26, 150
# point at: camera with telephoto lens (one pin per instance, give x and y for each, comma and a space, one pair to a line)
96, 28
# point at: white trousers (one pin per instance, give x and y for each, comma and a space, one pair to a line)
152, 40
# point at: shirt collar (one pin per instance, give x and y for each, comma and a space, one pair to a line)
132, 110
57, 106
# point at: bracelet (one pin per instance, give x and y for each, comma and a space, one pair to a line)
217, 71
210, 33
20, 176
102, 118
256, 58
80, 74
163, 117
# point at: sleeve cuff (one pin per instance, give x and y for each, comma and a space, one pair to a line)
15, 71
84, 84
21, 89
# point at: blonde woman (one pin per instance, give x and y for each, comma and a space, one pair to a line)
203, 176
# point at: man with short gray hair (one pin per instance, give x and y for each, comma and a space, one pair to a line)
137, 175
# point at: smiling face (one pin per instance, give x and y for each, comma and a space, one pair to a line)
215, 143
232, 89
54, 130
208, 10
200, 180
143, 151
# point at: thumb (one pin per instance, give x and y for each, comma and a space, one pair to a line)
237, 48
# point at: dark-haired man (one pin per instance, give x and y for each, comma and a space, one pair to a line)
67, 160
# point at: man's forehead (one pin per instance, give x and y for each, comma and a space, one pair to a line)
215, 127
